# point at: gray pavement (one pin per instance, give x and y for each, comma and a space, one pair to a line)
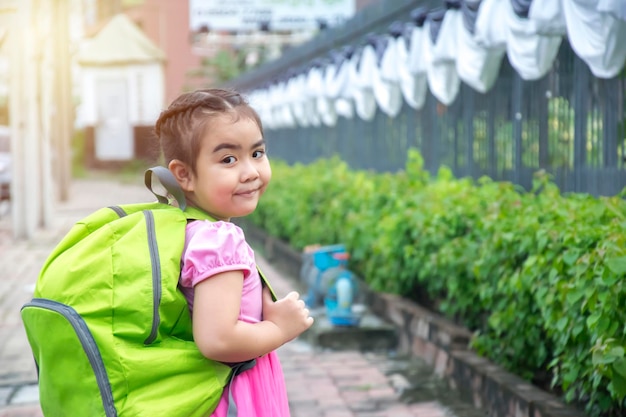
321, 383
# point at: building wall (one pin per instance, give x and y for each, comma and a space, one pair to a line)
166, 23
143, 99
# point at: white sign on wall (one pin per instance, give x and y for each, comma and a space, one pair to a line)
248, 15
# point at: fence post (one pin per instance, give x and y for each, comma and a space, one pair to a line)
517, 118
543, 115
468, 127
581, 97
609, 90
434, 138
491, 135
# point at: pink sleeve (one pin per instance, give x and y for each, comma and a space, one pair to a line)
213, 248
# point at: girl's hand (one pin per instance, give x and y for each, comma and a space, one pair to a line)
289, 314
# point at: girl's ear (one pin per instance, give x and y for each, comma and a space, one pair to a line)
182, 173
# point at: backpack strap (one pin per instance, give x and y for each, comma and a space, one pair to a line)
237, 369
168, 182
194, 213
266, 283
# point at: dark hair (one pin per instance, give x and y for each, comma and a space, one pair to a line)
181, 127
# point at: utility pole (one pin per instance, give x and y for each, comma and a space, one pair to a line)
25, 199
64, 111
31, 119
40, 108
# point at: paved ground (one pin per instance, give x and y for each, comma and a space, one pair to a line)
320, 383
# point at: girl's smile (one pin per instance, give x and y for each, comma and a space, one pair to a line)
248, 194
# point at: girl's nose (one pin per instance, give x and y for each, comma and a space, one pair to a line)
249, 171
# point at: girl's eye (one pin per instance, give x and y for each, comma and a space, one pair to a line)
258, 154
229, 160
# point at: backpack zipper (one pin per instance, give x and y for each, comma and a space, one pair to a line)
89, 346
156, 276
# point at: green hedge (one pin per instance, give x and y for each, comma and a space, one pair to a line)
538, 276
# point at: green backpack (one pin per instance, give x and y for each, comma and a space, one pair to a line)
110, 331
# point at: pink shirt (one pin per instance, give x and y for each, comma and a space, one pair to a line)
215, 247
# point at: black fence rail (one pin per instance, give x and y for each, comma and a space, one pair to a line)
569, 123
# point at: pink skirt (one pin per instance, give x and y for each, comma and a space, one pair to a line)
259, 391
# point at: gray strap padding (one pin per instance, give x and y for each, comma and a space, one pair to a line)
167, 180
237, 369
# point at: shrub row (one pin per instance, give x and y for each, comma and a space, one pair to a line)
538, 276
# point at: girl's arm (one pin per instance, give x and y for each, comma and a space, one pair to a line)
221, 336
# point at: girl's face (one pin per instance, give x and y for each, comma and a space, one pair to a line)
232, 170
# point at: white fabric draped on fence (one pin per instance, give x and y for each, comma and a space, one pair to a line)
437, 50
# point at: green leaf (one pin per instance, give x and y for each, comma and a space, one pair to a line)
619, 366
617, 265
617, 352
593, 319
561, 324
577, 329
599, 358
609, 278
603, 325
570, 376
619, 385
570, 258
575, 295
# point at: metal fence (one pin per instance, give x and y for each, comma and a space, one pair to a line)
569, 123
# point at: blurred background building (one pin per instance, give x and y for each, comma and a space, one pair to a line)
138, 55
209, 41
82, 81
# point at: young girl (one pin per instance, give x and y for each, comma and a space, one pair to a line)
213, 143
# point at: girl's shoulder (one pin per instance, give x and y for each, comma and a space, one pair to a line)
213, 247
216, 229
218, 235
